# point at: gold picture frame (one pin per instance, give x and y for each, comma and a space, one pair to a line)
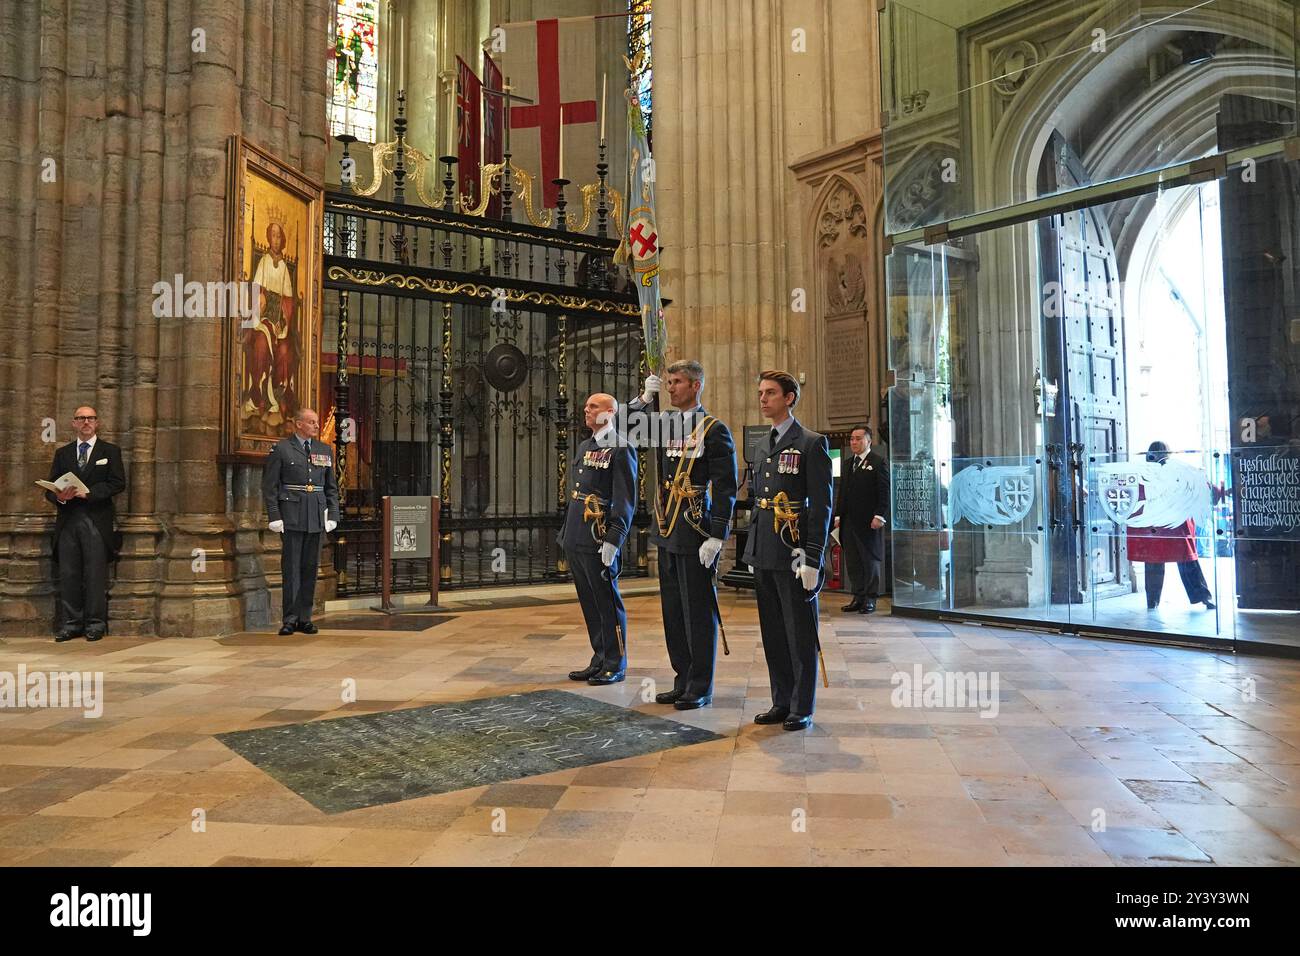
271, 360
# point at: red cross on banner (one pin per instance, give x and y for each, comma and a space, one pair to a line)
550, 111
642, 245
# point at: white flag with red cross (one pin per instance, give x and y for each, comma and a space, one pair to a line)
554, 63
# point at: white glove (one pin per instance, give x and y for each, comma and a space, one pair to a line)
709, 551
807, 576
608, 553
277, 527
653, 383
330, 525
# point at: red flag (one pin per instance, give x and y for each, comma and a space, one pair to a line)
556, 69
493, 127
469, 94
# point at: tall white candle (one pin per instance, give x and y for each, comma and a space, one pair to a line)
401, 53
603, 78
561, 176
451, 118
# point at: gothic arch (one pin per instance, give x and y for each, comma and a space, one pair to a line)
1058, 85
917, 193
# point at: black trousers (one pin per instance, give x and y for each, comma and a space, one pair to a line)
299, 560
787, 618
862, 569
687, 595
1193, 582
602, 608
83, 577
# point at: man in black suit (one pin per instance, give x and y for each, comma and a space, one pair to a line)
601, 496
695, 498
787, 539
861, 515
302, 500
83, 530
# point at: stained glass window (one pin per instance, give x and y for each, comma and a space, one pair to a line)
354, 69
638, 43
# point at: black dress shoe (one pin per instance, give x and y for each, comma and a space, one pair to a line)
65, 636
668, 697
1210, 605
692, 703
852, 606
589, 671
797, 722
286, 630
606, 677
773, 716
868, 608
308, 628
95, 636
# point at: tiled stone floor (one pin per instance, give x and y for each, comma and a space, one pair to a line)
1187, 757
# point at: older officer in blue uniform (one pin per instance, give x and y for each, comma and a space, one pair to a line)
787, 538
695, 497
602, 494
302, 499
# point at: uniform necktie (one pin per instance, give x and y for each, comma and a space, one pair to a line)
306, 447
774, 436
83, 455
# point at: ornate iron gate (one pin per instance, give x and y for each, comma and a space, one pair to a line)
469, 346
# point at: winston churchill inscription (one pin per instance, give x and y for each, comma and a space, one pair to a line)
352, 762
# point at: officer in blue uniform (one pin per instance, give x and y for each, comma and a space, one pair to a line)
602, 495
692, 519
787, 538
302, 499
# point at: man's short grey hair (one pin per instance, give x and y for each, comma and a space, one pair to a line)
688, 367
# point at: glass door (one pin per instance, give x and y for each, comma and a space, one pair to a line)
1058, 426
1140, 544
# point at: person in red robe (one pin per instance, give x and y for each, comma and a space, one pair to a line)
1156, 547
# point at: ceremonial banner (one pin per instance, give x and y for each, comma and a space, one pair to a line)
554, 65
469, 96
641, 238
493, 127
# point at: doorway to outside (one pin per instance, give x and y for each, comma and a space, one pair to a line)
1175, 364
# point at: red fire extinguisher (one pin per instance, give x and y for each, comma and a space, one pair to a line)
834, 578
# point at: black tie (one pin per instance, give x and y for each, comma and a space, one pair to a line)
306, 447
774, 436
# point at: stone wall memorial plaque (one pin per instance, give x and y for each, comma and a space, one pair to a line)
916, 496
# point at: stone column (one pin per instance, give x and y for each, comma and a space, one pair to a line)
135, 120
740, 100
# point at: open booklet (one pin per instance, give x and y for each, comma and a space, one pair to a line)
66, 480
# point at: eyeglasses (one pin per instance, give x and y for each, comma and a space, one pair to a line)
85, 418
